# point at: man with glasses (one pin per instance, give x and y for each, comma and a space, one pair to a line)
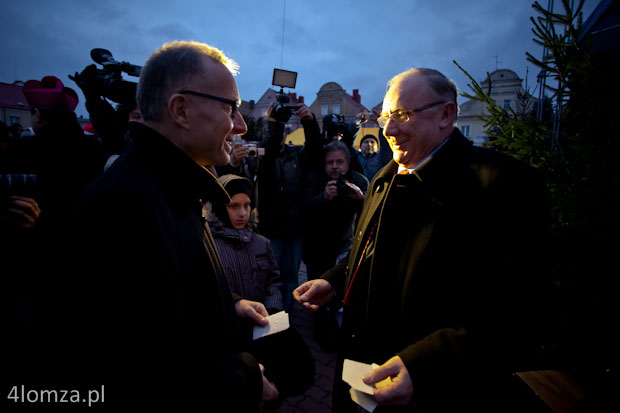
159, 322
445, 252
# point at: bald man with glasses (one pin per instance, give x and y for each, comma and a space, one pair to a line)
447, 247
157, 322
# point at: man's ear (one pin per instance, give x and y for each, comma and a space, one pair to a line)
178, 108
447, 115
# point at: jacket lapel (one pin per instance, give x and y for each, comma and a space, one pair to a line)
377, 191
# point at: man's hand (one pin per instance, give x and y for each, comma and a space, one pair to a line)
399, 391
22, 211
355, 192
253, 310
240, 151
270, 391
331, 190
314, 294
304, 112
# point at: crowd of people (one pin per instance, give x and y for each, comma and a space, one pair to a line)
145, 257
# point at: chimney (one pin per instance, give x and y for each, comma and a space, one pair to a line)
301, 99
252, 103
356, 96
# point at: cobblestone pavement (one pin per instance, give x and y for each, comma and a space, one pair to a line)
318, 399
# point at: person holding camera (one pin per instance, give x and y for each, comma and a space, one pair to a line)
333, 200
281, 182
244, 160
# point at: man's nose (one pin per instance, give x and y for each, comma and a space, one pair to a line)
239, 127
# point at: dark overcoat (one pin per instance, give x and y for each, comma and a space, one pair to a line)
450, 281
153, 315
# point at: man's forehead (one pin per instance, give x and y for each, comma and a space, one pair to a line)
403, 93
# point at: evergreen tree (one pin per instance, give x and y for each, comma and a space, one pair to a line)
576, 148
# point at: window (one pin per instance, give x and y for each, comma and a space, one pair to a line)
465, 130
324, 109
337, 108
14, 119
506, 104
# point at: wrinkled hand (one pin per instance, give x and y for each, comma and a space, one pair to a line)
270, 391
304, 112
355, 192
252, 310
314, 294
331, 190
22, 211
399, 391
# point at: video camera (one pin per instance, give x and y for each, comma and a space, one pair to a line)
334, 124
283, 78
108, 81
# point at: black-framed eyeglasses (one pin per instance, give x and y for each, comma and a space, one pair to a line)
234, 104
402, 116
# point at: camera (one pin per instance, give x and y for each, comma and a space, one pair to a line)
281, 111
254, 151
108, 81
341, 185
334, 124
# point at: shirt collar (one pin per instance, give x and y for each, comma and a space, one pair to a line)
424, 161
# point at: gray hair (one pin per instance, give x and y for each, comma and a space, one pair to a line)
335, 146
171, 67
436, 82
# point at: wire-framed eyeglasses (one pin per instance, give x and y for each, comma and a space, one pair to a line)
402, 116
234, 104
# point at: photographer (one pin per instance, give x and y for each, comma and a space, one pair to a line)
336, 129
333, 201
244, 160
98, 85
281, 179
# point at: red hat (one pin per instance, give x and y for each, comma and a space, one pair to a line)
88, 129
50, 93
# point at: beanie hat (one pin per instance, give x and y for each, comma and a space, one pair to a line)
233, 184
50, 93
369, 136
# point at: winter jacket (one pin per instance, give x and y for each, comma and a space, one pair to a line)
249, 264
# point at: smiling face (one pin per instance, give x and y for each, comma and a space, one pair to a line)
211, 129
414, 139
239, 210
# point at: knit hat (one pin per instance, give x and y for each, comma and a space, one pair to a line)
50, 93
369, 136
233, 184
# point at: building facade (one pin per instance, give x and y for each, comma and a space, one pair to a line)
507, 91
14, 106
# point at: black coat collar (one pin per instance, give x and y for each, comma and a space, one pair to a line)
174, 168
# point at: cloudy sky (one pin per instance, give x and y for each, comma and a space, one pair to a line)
359, 44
